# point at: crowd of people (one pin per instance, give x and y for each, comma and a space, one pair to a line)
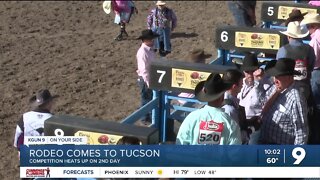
277, 104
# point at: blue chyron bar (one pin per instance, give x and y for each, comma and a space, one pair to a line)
169, 156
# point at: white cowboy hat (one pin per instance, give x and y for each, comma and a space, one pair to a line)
160, 3
294, 30
312, 18
107, 6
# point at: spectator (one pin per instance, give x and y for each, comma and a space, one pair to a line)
123, 10
244, 12
32, 123
284, 115
145, 56
162, 20
199, 127
312, 21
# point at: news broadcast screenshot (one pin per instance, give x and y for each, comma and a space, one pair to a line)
100, 90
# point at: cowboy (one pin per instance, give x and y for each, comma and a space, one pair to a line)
312, 21
123, 10
162, 20
284, 116
145, 56
209, 125
231, 102
295, 15
249, 96
302, 53
32, 122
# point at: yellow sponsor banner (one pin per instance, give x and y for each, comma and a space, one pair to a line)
257, 40
284, 11
94, 138
187, 79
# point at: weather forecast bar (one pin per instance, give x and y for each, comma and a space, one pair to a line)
172, 172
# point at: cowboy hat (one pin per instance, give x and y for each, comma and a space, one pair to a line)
270, 64
160, 3
294, 30
211, 89
148, 34
295, 15
197, 56
313, 18
42, 97
250, 63
107, 6
283, 66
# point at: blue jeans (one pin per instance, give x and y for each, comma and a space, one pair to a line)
145, 93
240, 15
163, 38
315, 86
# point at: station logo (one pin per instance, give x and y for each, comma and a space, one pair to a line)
38, 172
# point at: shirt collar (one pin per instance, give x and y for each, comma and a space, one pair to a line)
147, 47
39, 110
295, 41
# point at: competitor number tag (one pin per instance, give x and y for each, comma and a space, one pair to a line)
210, 132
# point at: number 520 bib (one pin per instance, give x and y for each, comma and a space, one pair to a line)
210, 132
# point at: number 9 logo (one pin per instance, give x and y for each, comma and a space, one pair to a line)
298, 153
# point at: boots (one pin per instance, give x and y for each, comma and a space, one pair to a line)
123, 33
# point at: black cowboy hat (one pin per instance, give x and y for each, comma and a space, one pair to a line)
284, 66
148, 34
211, 89
270, 64
250, 62
42, 97
295, 15
197, 55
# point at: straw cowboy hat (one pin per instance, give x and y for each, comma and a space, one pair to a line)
197, 56
107, 6
295, 15
313, 18
211, 89
250, 63
294, 30
42, 97
148, 34
160, 3
283, 66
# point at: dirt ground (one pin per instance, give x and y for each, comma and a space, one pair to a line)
68, 47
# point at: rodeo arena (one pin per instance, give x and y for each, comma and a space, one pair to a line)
261, 88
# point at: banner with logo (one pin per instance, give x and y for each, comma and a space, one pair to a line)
162, 160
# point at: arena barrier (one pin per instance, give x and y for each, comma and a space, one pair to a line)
98, 132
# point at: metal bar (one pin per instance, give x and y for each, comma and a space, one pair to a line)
141, 112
